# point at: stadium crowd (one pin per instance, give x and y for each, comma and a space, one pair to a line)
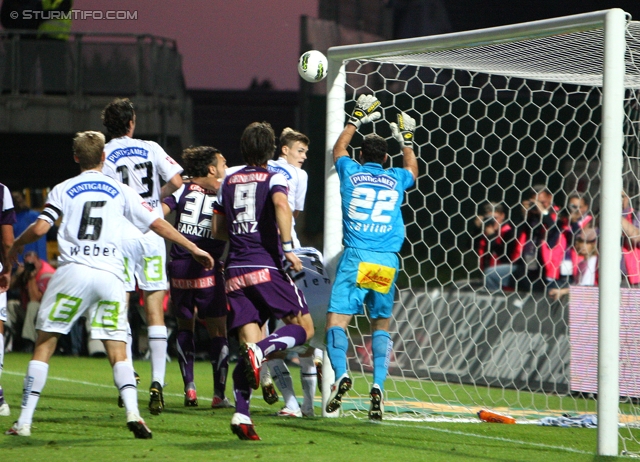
546, 248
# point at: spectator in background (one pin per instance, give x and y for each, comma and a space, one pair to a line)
538, 216
25, 216
495, 246
31, 280
560, 254
545, 199
586, 271
630, 243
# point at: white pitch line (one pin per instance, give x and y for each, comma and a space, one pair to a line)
494, 438
442, 430
113, 387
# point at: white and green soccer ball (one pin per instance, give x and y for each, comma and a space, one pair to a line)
312, 66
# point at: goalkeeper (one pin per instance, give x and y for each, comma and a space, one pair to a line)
373, 232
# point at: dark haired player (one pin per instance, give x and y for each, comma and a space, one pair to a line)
254, 213
192, 286
373, 233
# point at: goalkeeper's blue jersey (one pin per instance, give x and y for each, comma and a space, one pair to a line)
371, 200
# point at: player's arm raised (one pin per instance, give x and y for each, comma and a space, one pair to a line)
403, 133
363, 113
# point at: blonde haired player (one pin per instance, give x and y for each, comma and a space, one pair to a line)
293, 153
90, 275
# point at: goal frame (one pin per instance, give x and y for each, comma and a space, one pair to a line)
613, 21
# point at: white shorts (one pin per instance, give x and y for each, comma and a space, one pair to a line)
145, 260
75, 290
3, 307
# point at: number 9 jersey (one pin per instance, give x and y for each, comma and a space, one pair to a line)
371, 199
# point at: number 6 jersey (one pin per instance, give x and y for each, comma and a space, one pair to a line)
371, 199
92, 207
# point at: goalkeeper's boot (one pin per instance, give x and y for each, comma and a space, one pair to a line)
137, 377
376, 408
338, 389
190, 396
220, 403
22, 430
156, 398
4, 407
253, 357
242, 426
269, 392
138, 427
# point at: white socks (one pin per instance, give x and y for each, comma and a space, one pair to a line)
125, 382
158, 352
34, 382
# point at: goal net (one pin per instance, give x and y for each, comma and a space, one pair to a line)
499, 112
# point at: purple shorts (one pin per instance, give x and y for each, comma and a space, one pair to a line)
256, 294
194, 287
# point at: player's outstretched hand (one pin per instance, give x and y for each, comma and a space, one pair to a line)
203, 258
403, 130
364, 113
296, 264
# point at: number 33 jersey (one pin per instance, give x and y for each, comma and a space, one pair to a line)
92, 207
140, 164
371, 199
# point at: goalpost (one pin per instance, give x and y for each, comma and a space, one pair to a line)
498, 110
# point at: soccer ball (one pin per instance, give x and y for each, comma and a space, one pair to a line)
312, 66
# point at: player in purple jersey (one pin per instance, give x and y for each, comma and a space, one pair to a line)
193, 287
254, 214
7, 219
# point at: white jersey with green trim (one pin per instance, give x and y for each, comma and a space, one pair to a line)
93, 207
140, 164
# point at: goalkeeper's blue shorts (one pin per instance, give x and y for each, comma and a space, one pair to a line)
363, 277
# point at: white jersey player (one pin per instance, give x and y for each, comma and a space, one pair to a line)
90, 277
294, 148
141, 165
293, 154
7, 219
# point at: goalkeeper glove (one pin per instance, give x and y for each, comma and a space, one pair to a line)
403, 130
363, 112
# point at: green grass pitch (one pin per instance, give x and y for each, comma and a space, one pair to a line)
78, 419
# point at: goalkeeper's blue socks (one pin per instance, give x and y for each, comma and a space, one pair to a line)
337, 344
381, 346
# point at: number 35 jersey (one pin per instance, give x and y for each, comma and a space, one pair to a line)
371, 199
140, 164
92, 207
